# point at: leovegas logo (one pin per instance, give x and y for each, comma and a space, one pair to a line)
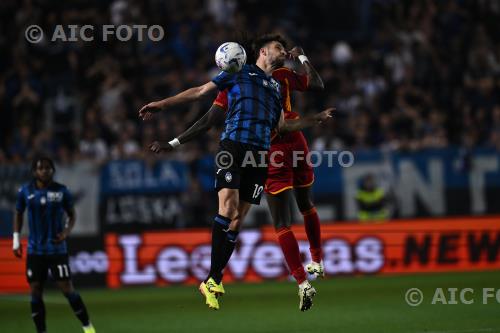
163, 258
395, 247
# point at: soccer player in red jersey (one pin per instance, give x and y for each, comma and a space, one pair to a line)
287, 179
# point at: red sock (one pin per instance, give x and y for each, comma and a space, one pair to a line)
313, 231
290, 249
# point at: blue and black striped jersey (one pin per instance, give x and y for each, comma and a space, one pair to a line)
254, 105
46, 208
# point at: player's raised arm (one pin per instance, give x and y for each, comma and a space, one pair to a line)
213, 117
314, 81
291, 125
187, 96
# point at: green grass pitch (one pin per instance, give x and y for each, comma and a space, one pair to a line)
360, 304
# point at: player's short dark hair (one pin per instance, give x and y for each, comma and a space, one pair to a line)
264, 40
37, 159
245, 39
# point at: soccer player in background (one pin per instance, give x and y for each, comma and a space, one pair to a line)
46, 202
254, 112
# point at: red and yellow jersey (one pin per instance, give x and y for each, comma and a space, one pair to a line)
289, 81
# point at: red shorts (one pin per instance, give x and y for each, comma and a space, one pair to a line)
282, 174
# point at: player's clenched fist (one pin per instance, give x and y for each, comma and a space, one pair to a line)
158, 147
296, 52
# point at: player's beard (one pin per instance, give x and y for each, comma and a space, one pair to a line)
278, 62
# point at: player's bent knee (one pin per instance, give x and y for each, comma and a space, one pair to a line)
228, 204
230, 211
36, 289
279, 224
305, 204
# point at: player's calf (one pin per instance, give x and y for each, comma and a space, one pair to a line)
38, 313
80, 310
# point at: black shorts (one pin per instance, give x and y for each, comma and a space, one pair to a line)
37, 267
241, 166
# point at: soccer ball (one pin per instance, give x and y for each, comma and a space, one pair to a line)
230, 57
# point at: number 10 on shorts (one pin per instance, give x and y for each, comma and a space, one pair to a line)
258, 190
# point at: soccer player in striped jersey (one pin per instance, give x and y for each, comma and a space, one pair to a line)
254, 112
289, 179
46, 202
280, 203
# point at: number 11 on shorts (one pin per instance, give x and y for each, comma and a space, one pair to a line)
63, 270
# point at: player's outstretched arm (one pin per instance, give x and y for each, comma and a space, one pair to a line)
314, 80
16, 242
292, 125
213, 117
187, 96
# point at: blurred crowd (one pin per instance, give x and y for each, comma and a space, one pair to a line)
403, 75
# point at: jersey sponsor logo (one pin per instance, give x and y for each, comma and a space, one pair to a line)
31, 196
275, 84
54, 196
271, 83
253, 74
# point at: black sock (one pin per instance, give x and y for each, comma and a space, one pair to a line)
38, 313
229, 245
220, 224
78, 307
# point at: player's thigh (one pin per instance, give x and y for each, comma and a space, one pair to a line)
37, 267
279, 207
280, 170
228, 165
253, 180
59, 267
304, 198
